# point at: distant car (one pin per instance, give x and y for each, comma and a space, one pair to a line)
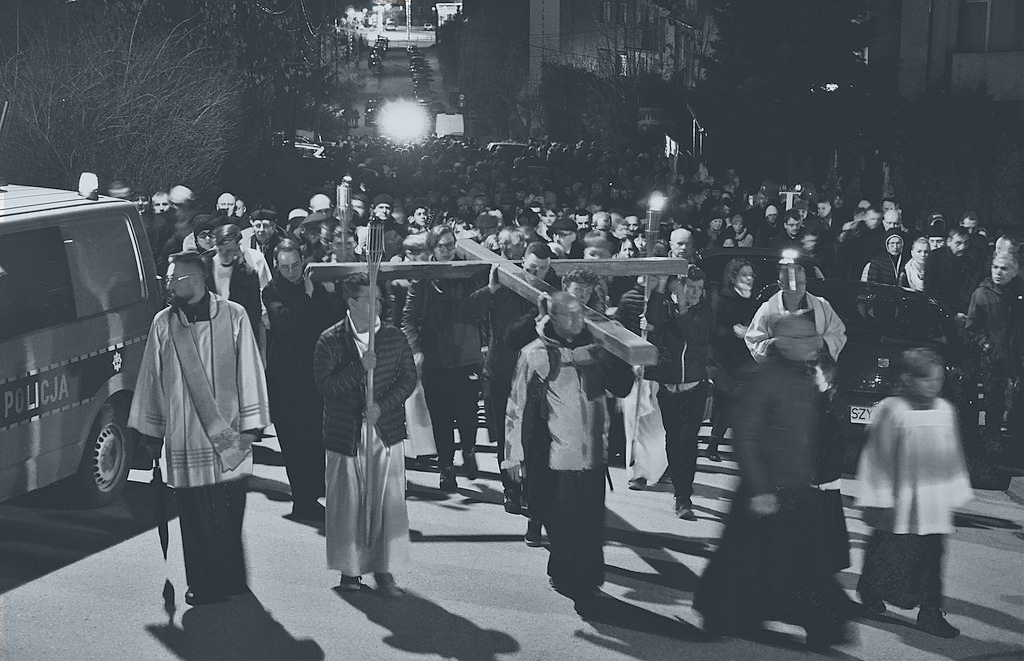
508, 150
436, 107
389, 24
428, 26
309, 149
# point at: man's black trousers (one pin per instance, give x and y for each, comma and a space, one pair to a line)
682, 414
574, 519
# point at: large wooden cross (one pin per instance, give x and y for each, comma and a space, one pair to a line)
608, 333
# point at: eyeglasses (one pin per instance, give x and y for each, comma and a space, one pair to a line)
290, 267
446, 245
179, 278
205, 234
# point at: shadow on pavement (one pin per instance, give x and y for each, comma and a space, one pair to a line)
43, 531
964, 520
237, 629
626, 629
419, 626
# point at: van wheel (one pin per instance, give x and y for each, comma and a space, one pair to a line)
107, 458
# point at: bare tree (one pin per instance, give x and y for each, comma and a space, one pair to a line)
146, 107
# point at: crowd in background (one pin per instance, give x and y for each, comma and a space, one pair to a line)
546, 202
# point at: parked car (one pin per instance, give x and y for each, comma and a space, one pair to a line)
881, 322
764, 260
78, 292
429, 27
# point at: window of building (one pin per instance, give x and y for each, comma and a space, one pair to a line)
991, 25
606, 12
623, 13
102, 256
35, 282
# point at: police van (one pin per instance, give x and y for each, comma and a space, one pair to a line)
78, 292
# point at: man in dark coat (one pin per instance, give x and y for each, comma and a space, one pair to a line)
995, 324
512, 326
681, 330
299, 311
952, 273
555, 426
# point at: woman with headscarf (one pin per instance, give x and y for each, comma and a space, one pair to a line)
887, 265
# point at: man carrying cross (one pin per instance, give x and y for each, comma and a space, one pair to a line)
556, 433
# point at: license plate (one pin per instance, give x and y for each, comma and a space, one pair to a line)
860, 415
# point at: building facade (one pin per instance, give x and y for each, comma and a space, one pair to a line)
962, 46
625, 38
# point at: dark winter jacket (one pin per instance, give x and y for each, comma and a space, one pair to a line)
244, 289
339, 376
683, 340
512, 326
631, 308
952, 280
995, 323
728, 309
296, 322
441, 320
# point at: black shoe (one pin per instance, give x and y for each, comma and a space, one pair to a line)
684, 510
469, 466
448, 484
533, 536
350, 583
310, 512
200, 599
824, 638
870, 607
512, 504
714, 456
931, 620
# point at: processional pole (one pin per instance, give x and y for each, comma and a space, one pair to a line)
654, 209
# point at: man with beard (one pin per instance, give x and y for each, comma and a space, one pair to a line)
201, 394
299, 311
952, 273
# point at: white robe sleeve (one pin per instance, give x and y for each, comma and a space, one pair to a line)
758, 339
835, 330
876, 470
148, 414
253, 403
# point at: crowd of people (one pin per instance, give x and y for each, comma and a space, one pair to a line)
559, 406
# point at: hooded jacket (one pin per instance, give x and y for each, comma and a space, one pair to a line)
528, 436
995, 323
886, 268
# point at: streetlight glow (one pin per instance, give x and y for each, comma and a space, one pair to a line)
403, 122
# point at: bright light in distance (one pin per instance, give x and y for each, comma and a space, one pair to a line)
403, 121
657, 201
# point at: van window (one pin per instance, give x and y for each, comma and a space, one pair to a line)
102, 257
35, 282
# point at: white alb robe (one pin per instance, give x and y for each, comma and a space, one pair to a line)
162, 406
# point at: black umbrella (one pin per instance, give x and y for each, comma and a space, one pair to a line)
160, 503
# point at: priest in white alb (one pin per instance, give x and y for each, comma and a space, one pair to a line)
201, 397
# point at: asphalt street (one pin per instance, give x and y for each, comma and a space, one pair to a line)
78, 584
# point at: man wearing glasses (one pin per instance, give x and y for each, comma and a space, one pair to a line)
299, 311
201, 398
